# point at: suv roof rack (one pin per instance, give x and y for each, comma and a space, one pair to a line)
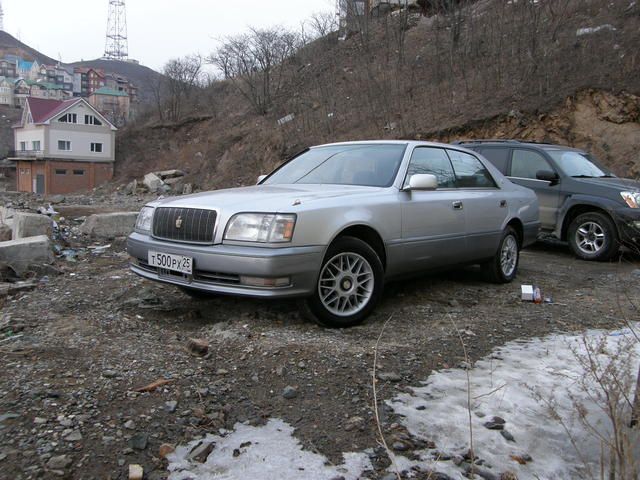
495, 140
485, 140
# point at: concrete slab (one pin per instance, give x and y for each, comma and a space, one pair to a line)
109, 225
31, 225
22, 253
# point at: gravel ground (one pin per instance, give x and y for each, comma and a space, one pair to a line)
75, 349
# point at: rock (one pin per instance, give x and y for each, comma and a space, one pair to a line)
400, 446
129, 425
109, 374
170, 406
31, 225
354, 423
496, 423
39, 421
166, 449
136, 472
6, 233
139, 441
55, 199
163, 174
289, 392
508, 476
152, 182
507, 436
198, 346
131, 187
389, 376
109, 225
8, 416
636, 273
59, 463
187, 189
74, 436
201, 452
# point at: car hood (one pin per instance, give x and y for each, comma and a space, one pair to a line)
265, 198
619, 184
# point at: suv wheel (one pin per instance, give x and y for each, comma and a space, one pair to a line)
593, 236
349, 284
502, 268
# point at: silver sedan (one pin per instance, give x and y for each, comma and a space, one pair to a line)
336, 222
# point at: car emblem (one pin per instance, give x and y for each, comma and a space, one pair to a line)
179, 222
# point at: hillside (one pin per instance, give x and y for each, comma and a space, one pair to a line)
563, 71
140, 75
12, 46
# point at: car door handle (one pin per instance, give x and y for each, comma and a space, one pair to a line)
457, 205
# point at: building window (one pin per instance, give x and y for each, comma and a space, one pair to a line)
64, 145
78, 172
35, 145
96, 147
91, 120
69, 118
23, 146
60, 171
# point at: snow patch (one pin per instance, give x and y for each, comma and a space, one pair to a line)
265, 453
513, 383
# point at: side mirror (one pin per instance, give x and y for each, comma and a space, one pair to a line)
260, 178
547, 176
423, 181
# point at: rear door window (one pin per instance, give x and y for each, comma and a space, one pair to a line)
470, 172
526, 163
498, 156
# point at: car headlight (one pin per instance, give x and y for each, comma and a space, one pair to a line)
261, 227
143, 222
631, 198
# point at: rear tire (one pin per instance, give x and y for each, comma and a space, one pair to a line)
503, 267
349, 284
593, 236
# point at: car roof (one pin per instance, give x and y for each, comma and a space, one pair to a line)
512, 143
395, 142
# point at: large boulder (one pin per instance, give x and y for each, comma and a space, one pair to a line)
152, 181
21, 254
109, 225
31, 225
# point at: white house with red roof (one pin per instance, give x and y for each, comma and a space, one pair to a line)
63, 146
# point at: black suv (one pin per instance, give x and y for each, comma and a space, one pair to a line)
581, 201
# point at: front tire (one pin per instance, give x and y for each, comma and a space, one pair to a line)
593, 236
503, 267
349, 284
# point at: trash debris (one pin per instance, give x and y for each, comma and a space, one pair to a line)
136, 472
286, 119
590, 30
531, 293
153, 385
198, 346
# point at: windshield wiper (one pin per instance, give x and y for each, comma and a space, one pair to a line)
582, 176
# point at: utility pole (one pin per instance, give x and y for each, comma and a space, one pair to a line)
117, 45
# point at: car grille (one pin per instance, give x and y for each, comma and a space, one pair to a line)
191, 225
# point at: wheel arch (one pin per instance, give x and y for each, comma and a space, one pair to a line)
518, 226
367, 234
578, 209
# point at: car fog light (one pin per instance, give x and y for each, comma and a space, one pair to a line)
265, 282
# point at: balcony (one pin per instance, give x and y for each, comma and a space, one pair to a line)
27, 154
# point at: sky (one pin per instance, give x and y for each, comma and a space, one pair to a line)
75, 30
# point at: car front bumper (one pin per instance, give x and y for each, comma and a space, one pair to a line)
628, 222
220, 268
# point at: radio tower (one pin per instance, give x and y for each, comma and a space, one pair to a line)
117, 46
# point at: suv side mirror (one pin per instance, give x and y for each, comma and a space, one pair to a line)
260, 178
548, 176
423, 181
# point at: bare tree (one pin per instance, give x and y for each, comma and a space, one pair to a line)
183, 76
322, 24
256, 63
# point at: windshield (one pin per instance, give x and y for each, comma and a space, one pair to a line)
577, 164
365, 165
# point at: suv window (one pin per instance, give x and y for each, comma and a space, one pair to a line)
434, 161
498, 156
525, 163
470, 172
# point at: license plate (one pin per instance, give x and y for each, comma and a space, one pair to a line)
169, 261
